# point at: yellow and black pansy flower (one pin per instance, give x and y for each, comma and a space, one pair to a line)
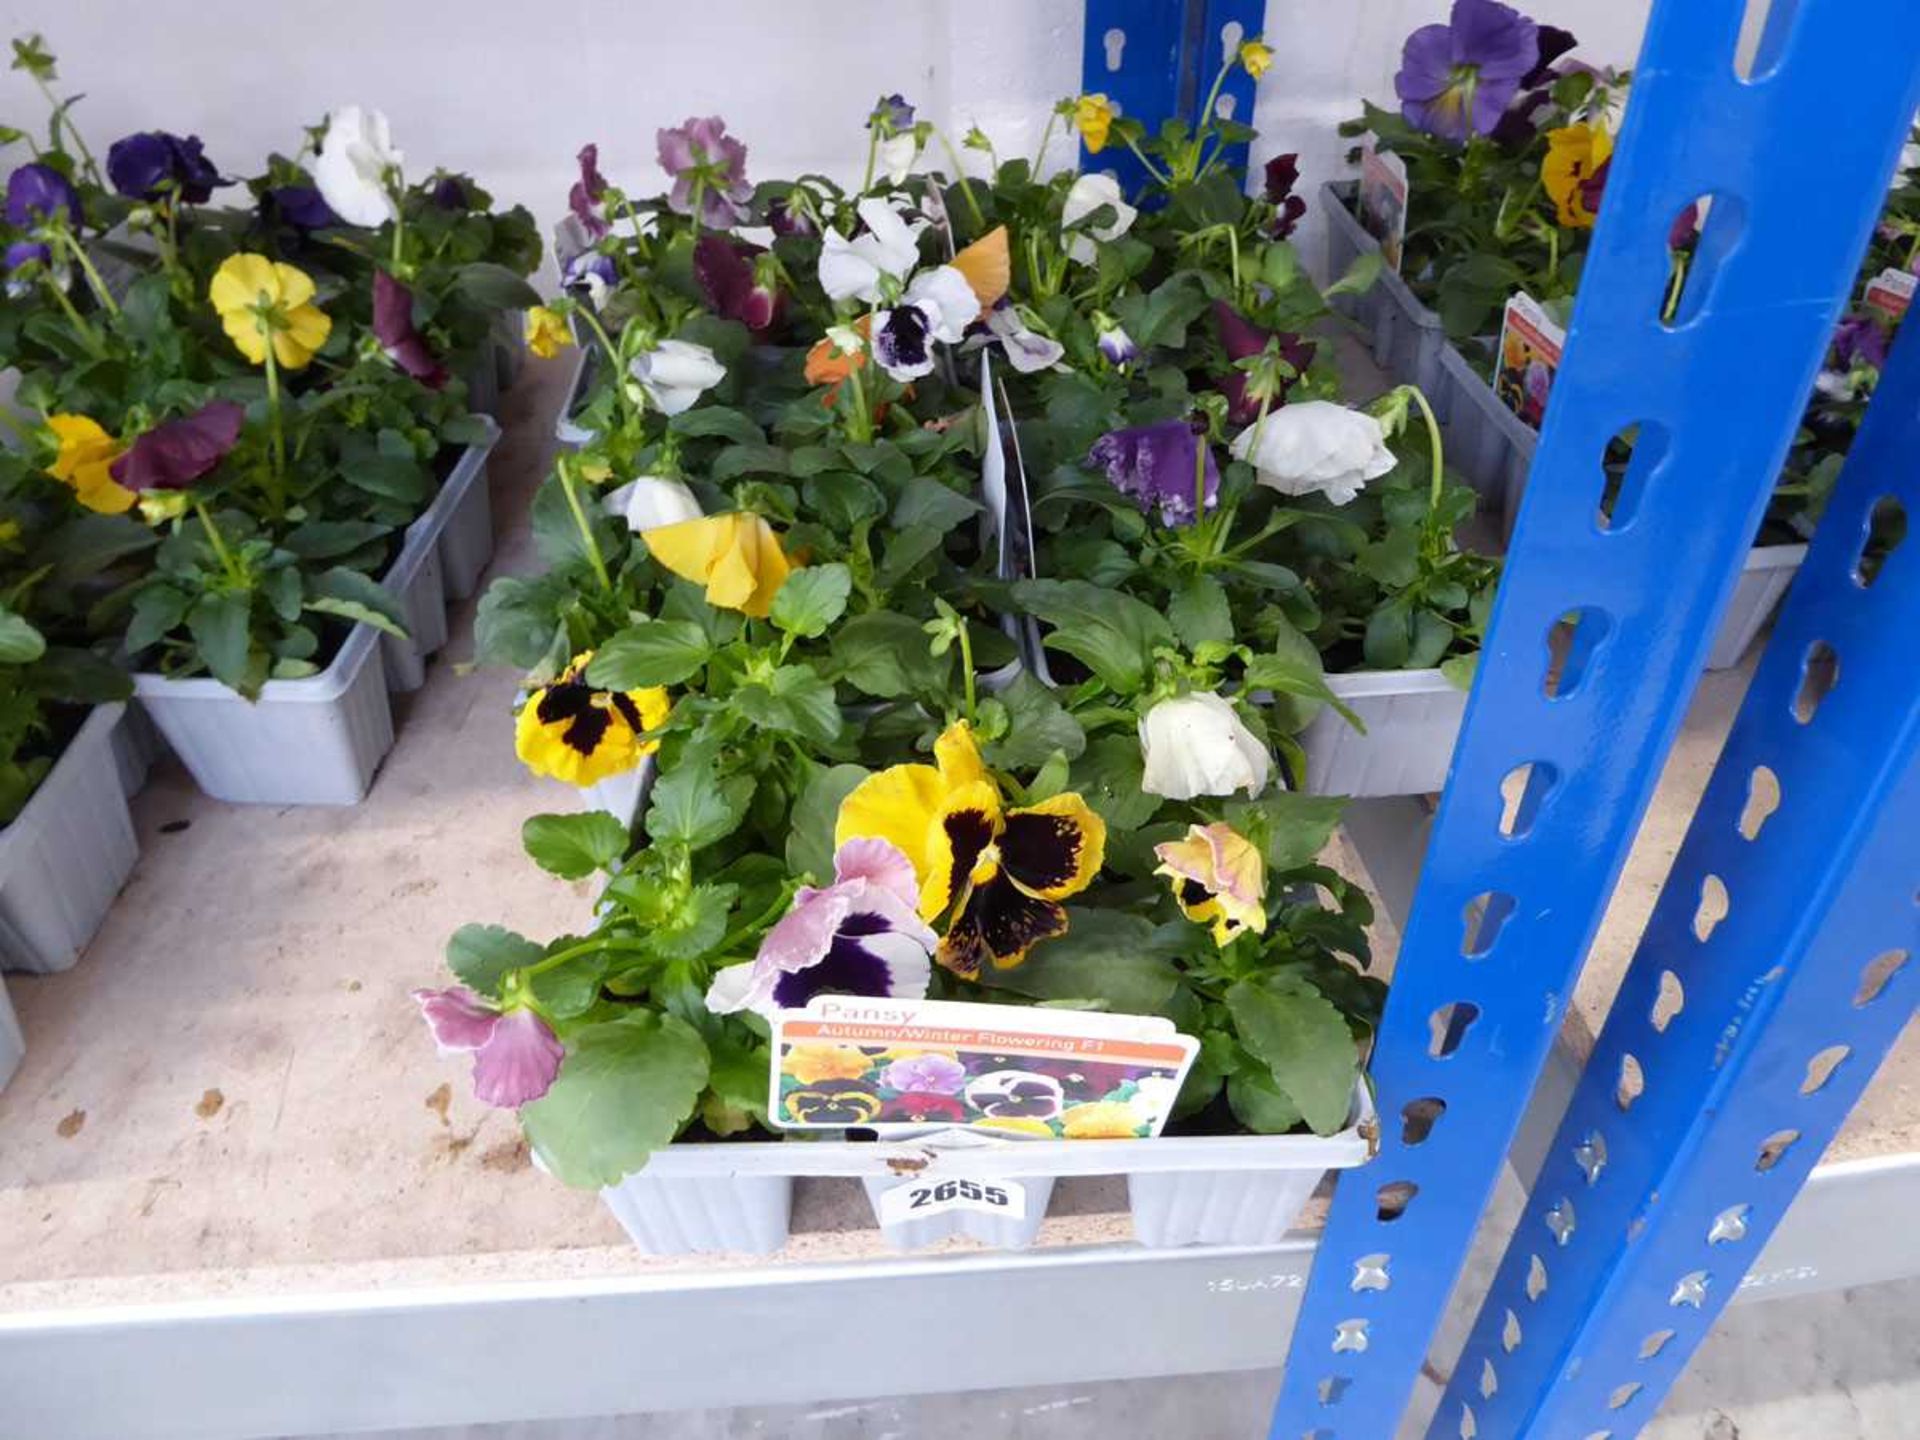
832, 1102
1001, 872
574, 732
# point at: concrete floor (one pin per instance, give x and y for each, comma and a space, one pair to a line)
211, 1109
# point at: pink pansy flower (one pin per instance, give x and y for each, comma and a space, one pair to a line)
930, 1074
515, 1053
861, 935
703, 158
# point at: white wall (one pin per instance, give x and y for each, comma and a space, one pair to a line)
509, 91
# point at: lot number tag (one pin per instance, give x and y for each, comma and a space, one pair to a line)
918, 1199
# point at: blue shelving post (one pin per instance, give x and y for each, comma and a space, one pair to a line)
1157, 59
1770, 983
1611, 597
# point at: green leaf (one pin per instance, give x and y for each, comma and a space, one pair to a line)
904, 550
718, 420
1304, 1041
1394, 562
330, 539
794, 699
739, 1073
20, 643
810, 830
340, 591
1112, 635
1105, 955
79, 677
691, 807
810, 600
654, 652
624, 1090
1108, 778
220, 624
1460, 670
1360, 275
925, 501
481, 955
887, 655
1291, 828
1296, 672
1200, 613
840, 499
494, 287
1388, 640
697, 926
575, 846
1260, 1104
392, 477
1038, 727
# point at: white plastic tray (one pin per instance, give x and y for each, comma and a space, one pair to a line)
66, 855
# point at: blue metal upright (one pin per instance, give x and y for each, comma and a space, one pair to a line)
1770, 983
1157, 59
1601, 629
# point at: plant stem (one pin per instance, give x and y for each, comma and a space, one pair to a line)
585, 312
276, 427
94, 282
594, 557
1046, 136
88, 335
574, 952
1433, 440
960, 176
1200, 130
62, 119
966, 665
699, 199
219, 544
1151, 168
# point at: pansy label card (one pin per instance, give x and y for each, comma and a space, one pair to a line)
1383, 202
1531, 343
896, 1065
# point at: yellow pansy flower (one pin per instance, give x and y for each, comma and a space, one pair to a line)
736, 556
1218, 876
157, 507
263, 301
810, 1064
1102, 1120
86, 453
1574, 154
1093, 117
547, 332
1256, 56
1017, 1125
1002, 872
578, 734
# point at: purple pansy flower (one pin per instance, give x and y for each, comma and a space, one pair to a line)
1457, 79
1684, 233
787, 219
393, 328
589, 271
515, 1053
1242, 340
893, 114
929, 1074
39, 192
861, 935
1014, 1094
24, 252
301, 206
728, 273
154, 165
584, 198
449, 192
1283, 173
701, 153
1115, 344
175, 453
1860, 340
1155, 464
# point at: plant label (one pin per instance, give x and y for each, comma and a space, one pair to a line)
1001, 1071
1531, 344
1890, 292
1383, 202
922, 1199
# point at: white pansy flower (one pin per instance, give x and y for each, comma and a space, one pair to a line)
1194, 745
351, 173
897, 154
948, 301
652, 501
1026, 350
1090, 193
675, 373
851, 269
1316, 446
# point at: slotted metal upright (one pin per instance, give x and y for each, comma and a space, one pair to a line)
1610, 599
